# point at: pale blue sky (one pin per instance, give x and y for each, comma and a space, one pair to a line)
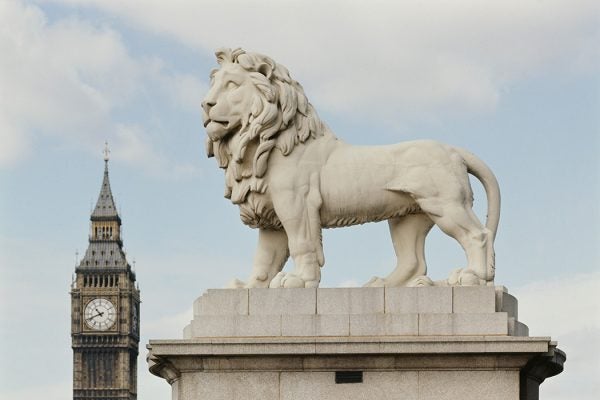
515, 82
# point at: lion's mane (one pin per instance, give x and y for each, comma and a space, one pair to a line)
280, 118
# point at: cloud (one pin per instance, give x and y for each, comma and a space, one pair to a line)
186, 90
76, 82
59, 79
408, 57
15, 142
568, 310
168, 327
574, 299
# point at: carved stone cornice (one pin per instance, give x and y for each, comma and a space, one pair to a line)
162, 368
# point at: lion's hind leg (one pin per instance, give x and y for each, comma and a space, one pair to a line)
408, 236
460, 222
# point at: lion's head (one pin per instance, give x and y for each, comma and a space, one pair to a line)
253, 106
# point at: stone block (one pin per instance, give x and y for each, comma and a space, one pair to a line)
412, 300
230, 386
222, 302
384, 324
187, 331
507, 303
516, 328
282, 301
214, 325
434, 300
473, 299
350, 301
346, 362
468, 385
315, 325
244, 363
401, 300
236, 325
375, 385
463, 324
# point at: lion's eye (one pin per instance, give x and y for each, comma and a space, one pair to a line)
232, 85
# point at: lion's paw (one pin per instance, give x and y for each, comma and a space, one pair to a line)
465, 277
375, 282
276, 281
289, 280
421, 281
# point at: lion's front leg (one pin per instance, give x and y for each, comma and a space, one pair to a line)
271, 254
299, 214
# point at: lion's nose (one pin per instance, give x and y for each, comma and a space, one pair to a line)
207, 105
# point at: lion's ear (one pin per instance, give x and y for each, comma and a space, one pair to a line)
265, 69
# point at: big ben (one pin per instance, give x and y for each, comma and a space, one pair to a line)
105, 309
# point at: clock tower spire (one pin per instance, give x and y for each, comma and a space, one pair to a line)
105, 309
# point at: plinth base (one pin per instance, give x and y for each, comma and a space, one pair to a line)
362, 343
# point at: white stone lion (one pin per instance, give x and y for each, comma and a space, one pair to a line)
291, 177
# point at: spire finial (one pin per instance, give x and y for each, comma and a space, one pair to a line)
106, 152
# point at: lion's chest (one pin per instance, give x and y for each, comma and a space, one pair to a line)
257, 212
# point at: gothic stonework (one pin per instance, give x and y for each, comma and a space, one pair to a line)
105, 310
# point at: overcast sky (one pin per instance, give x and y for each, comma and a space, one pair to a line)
514, 81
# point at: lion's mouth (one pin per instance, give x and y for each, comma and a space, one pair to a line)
224, 124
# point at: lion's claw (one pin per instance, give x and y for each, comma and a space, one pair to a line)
465, 277
289, 280
420, 281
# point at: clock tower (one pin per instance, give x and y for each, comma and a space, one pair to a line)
105, 309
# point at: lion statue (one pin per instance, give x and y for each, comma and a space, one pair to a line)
291, 177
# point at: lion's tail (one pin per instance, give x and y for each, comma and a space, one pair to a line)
481, 171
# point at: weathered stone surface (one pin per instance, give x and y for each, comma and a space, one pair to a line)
230, 386
468, 385
506, 302
188, 332
322, 386
315, 325
516, 328
222, 302
384, 324
350, 301
282, 301
355, 312
434, 300
237, 325
463, 324
473, 299
472, 367
289, 343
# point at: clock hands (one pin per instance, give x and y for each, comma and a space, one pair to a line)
100, 313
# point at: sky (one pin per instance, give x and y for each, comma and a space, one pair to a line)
514, 81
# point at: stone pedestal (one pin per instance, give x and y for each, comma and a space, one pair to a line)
356, 343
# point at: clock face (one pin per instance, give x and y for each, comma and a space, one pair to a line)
100, 314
